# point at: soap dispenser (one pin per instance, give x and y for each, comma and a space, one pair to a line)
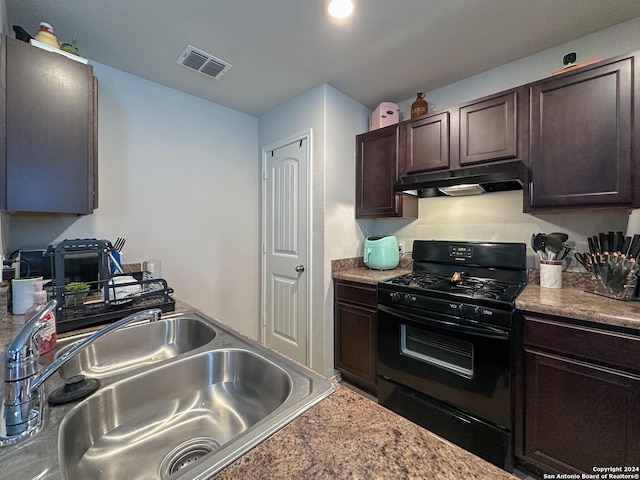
47, 337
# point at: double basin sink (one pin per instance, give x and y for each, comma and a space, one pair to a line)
180, 398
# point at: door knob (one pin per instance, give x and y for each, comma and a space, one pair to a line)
300, 268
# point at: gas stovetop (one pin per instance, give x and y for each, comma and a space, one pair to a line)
479, 281
459, 285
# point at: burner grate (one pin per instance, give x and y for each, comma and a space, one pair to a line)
471, 287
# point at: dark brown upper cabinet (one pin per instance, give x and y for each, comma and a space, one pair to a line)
425, 143
486, 130
489, 129
377, 169
48, 132
583, 125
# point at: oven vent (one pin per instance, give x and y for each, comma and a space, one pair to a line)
203, 62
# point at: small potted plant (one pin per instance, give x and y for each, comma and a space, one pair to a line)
75, 292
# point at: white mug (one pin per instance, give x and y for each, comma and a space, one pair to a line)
22, 293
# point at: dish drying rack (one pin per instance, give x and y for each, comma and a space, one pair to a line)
102, 304
110, 297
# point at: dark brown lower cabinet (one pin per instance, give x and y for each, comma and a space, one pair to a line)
579, 404
356, 333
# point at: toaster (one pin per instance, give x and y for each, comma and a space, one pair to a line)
385, 114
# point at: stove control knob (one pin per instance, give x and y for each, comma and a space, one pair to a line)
395, 296
470, 312
408, 298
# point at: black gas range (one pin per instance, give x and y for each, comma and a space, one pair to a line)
444, 342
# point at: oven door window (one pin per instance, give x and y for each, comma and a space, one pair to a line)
448, 353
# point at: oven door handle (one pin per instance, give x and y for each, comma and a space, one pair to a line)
481, 330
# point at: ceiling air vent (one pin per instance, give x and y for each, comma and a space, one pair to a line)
203, 62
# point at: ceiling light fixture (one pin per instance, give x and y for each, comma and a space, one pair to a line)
340, 8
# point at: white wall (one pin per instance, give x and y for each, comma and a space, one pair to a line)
4, 22
4, 229
345, 118
334, 119
179, 179
303, 113
498, 216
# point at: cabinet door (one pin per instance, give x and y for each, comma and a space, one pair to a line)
426, 144
49, 128
581, 136
355, 344
488, 130
376, 172
578, 415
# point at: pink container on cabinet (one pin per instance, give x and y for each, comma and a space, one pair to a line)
385, 114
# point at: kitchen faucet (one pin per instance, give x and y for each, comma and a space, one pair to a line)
22, 408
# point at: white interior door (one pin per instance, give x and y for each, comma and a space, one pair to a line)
286, 270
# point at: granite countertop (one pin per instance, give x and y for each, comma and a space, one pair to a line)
343, 436
354, 269
575, 302
347, 436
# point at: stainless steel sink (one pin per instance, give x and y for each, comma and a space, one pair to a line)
136, 347
180, 402
171, 417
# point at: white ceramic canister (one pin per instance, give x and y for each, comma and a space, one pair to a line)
551, 273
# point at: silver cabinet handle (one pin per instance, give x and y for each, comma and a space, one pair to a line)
300, 268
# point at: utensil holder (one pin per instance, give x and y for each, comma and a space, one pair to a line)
551, 273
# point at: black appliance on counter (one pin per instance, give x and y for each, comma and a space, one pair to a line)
444, 343
89, 261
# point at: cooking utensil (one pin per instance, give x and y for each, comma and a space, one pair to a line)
553, 245
611, 239
565, 251
592, 247
563, 237
119, 244
596, 244
538, 245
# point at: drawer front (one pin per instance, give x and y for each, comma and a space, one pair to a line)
618, 350
360, 293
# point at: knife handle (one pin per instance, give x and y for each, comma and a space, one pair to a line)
596, 244
619, 241
634, 249
598, 241
625, 245
592, 247
604, 242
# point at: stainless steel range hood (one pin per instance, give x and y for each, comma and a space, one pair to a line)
498, 177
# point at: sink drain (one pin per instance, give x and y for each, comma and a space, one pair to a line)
186, 454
